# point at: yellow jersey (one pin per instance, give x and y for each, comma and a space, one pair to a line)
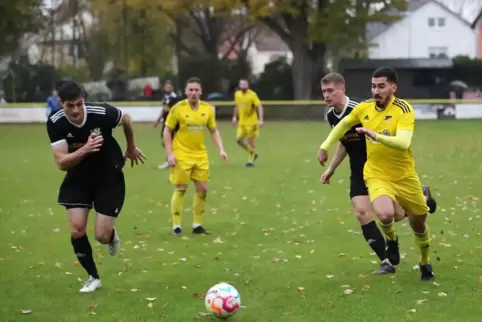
190, 126
247, 103
383, 161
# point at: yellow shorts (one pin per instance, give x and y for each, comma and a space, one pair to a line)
247, 131
190, 170
407, 192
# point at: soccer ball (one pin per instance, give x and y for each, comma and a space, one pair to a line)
222, 300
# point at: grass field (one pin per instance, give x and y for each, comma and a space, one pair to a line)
290, 245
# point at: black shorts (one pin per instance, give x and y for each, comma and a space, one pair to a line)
358, 187
105, 192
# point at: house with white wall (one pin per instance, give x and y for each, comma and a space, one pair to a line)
266, 48
428, 29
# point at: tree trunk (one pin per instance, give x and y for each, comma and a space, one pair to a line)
303, 71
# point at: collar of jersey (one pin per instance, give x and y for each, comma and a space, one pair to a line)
383, 109
347, 100
83, 122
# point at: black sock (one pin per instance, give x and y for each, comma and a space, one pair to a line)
112, 236
375, 239
83, 251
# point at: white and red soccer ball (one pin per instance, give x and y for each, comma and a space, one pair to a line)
222, 300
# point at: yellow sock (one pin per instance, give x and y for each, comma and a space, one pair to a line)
176, 207
245, 145
252, 154
198, 208
388, 231
423, 242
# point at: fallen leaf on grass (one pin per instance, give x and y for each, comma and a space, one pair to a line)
151, 299
58, 265
367, 286
480, 279
412, 311
76, 263
348, 291
92, 313
200, 295
300, 291
442, 294
218, 240
133, 290
341, 255
275, 260
26, 311
233, 234
92, 306
422, 301
330, 276
149, 305
184, 287
204, 314
363, 276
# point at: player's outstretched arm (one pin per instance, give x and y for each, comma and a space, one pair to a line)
338, 131
235, 115
401, 141
132, 151
338, 158
126, 123
261, 114
219, 142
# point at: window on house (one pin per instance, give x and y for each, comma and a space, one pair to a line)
441, 22
437, 52
431, 22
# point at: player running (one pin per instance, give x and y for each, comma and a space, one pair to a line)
248, 108
187, 153
353, 145
169, 100
81, 139
389, 172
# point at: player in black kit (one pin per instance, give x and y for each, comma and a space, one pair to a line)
81, 139
169, 100
354, 145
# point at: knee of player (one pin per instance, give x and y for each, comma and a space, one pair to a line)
181, 189
103, 236
386, 216
202, 191
77, 231
363, 215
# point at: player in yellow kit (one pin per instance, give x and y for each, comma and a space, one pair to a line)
187, 154
389, 172
248, 108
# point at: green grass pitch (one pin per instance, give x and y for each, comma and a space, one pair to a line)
290, 245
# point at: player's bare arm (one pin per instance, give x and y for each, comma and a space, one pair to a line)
132, 152
235, 115
260, 114
336, 134
338, 158
167, 137
66, 160
219, 143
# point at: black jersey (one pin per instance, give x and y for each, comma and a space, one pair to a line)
169, 100
354, 143
99, 119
